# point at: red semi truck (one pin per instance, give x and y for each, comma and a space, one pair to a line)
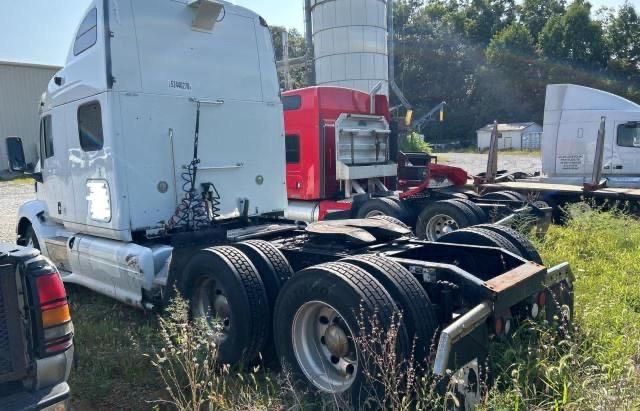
343, 162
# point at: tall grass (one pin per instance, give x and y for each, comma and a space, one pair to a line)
591, 364
594, 363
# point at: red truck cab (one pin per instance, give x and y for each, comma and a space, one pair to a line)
314, 184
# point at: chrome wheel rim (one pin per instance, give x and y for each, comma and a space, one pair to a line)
324, 347
210, 303
440, 225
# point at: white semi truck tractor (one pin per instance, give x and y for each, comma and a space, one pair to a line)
162, 167
590, 150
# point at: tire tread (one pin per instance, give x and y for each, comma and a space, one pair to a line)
256, 296
413, 299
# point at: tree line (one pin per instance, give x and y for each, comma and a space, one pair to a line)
492, 59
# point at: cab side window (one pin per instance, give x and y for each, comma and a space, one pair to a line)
46, 137
292, 145
87, 33
90, 126
629, 135
291, 103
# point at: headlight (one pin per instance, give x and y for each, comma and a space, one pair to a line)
99, 199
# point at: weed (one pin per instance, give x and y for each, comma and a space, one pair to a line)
194, 380
592, 365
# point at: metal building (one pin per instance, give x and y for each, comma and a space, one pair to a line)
512, 136
21, 86
350, 43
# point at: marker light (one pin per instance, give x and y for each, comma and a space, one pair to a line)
99, 199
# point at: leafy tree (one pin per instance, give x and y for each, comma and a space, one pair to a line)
623, 36
535, 13
515, 41
297, 48
575, 37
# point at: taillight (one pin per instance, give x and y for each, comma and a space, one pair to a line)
55, 316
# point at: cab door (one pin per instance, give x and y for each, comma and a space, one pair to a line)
51, 166
626, 149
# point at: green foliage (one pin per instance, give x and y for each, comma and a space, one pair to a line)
414, 142
514, 41
478, 57
297, 48
534, 14
575, 37
592, 364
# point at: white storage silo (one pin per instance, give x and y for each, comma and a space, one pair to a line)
350, 43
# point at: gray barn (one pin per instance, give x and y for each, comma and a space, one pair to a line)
21, 86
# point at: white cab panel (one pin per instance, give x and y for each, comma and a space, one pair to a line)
571, 123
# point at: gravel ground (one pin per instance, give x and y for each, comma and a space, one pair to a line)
12, 195
477, 163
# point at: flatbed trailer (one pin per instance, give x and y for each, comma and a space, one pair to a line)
590, 152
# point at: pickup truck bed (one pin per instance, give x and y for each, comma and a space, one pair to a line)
32, 376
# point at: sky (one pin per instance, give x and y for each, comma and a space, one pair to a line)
40, 31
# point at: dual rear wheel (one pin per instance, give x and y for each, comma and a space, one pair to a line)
325, 322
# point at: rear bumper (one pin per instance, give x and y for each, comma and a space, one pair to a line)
505, 291
57, 395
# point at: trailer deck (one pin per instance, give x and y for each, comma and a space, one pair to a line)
539, 186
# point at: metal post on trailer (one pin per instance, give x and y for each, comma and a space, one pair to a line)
597, 182
492, 162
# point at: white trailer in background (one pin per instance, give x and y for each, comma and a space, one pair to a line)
590, 149
163, 167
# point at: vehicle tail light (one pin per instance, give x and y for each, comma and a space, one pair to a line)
498, 326
542, 299
54, 313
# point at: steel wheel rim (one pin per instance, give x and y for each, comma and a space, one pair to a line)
210, 303
439, 225
327, 360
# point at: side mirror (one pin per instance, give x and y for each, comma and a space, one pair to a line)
17, 160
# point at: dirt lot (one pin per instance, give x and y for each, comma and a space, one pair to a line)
477, 163
12, 195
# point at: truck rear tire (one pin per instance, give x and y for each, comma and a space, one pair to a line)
519, 241
442, 217
380, 207
505, 196
318, 324
224, 288
408, 294
481, 216
30, 238
273, 268
479, 236
392, 220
